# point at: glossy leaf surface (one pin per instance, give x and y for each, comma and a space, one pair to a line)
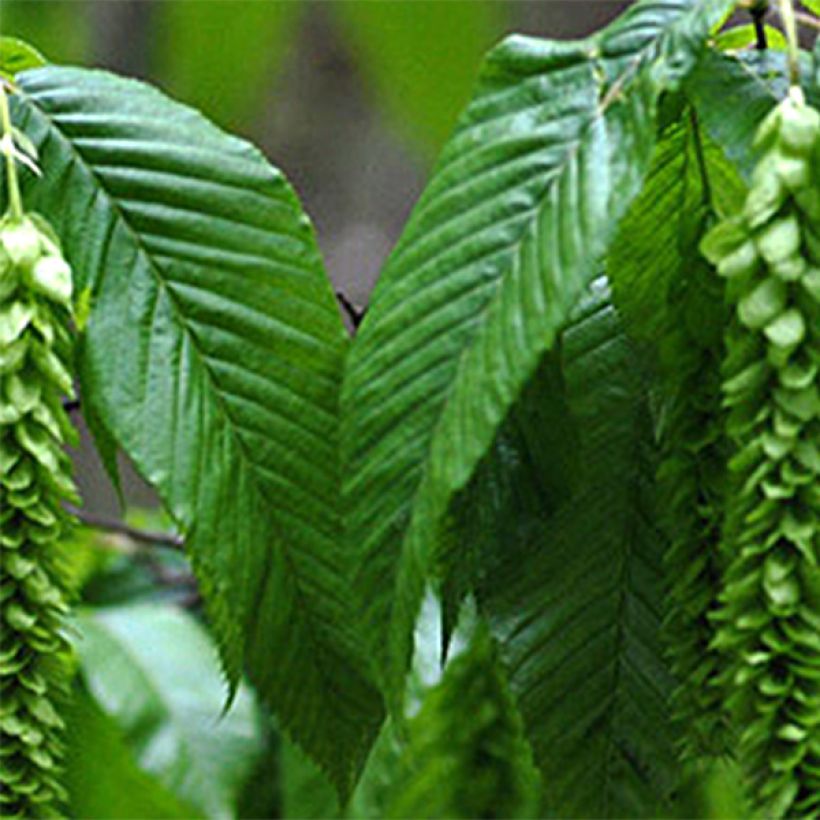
574, 593
521, 207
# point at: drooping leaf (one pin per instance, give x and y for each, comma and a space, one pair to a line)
675, 306
421, 57
574, 595
154, 671
649, 251
521, 207
101, 774
213, 353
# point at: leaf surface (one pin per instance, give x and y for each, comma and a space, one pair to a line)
213, 356
574, 593
650, 252
521, 207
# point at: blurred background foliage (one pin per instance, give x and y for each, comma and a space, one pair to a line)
147, 736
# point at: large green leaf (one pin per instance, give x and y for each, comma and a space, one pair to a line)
101, 774
154, 670
213, 354
521, 207
421, 56
574, 594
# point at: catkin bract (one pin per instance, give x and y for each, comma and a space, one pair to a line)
769, 621
35, 477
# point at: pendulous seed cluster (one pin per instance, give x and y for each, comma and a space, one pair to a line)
769, 621
35, 476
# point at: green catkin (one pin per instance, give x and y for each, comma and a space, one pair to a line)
692, 482
35, 477
769, 622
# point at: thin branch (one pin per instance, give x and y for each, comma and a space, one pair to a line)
786, 10
101, 522
808, 20
71, 405
354, 313
759, 12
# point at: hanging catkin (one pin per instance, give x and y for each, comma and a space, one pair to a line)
35, 477
769, 622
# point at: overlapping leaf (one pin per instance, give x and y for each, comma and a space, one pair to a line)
574, 593
687, 172
213, 354
755, 82
521, 207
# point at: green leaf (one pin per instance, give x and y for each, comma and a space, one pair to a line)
522, 206
755, 82
574, 596
653, 247
221, 56
213, 354
101, 775
154, 670
421, 82
16, 55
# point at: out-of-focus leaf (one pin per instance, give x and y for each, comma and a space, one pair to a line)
738, 37
813, 6
522, 206
223, 55
154, 670
101, 774
17, 55
421, 57
61, 30
214, 354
